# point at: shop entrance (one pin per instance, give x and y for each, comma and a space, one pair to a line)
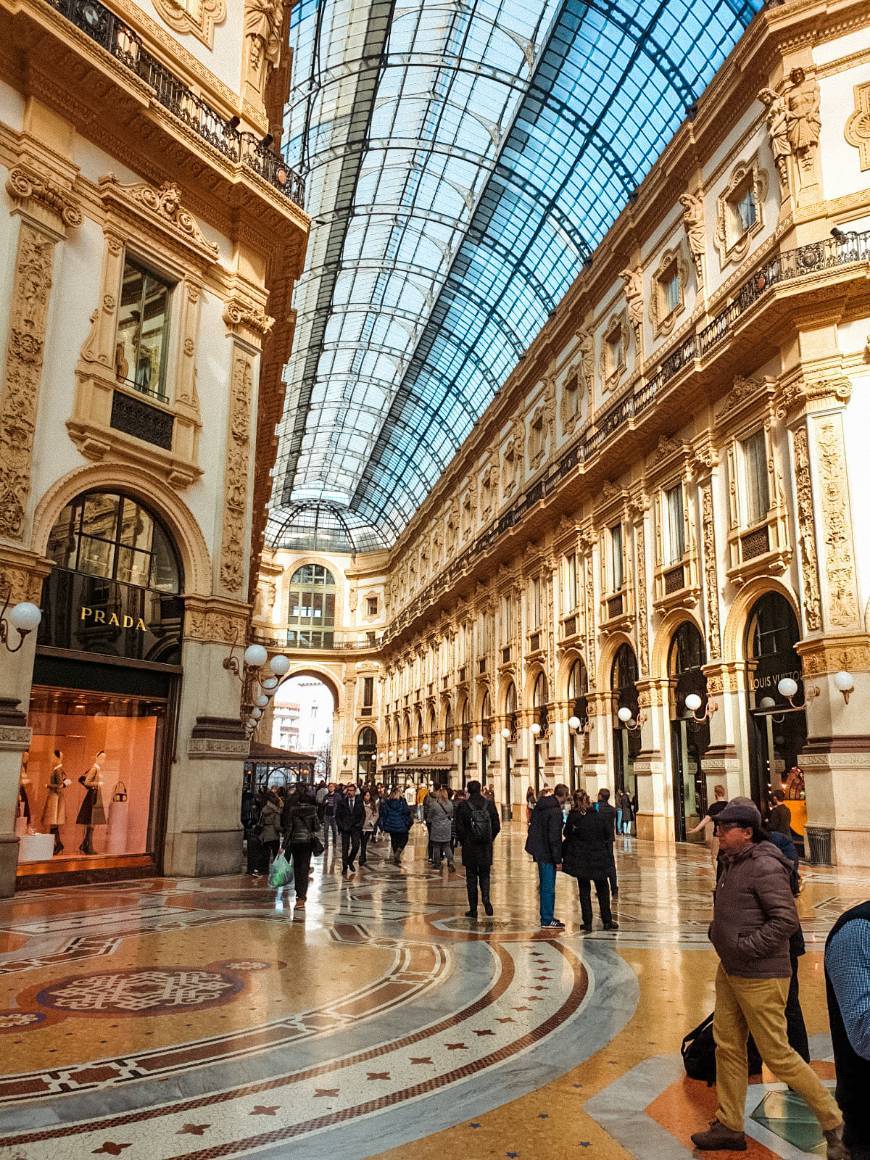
690, 737
777, 731
626, 734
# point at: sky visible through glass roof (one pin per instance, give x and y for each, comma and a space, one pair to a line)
462, 159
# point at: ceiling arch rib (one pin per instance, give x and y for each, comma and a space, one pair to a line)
596, 92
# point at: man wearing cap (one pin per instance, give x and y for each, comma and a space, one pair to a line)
754, 914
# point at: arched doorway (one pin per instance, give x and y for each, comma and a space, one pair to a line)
578, 699
106, 682
510, 712
626, 734
540, 718
777, 732
689, 736
303, 720
366, 755
311, 611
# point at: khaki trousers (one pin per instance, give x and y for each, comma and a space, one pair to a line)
758, 1006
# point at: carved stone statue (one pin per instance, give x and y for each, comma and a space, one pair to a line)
263, 20
632, 276
777, 131
803, 118
693, 222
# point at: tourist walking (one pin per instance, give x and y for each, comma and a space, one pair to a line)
608, 813
440, 812
754, 915
350, 814
396, 820
270, 830
544, 843
371, 806
328, 803
422, 795
300, 825
847, 979
779, 818
709, 821
477, 827
586, 856
531, 802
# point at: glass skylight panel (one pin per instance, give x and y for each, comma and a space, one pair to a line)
436, 273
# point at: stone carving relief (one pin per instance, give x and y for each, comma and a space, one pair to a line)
236, 474
25, 185
239, 315
641, 589
198, 20
632, 276
711, 583
806, 531
776, 118
793, 125
165, 204
742, 390
857, 131
693, 223
24, 358
839, 561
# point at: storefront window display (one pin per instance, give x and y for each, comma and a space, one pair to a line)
105, 685
91, 770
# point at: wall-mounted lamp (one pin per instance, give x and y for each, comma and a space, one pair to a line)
844, 683
535, 728
787, 687
234, 122
426, 747
441, 747
478, 737
693, 704
266, 141
506, 734
575, 725
24, 618
625, 716
258, 688
457, 742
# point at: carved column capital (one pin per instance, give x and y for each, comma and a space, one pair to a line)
43, 201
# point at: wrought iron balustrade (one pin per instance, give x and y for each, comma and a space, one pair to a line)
318, 641
125, 45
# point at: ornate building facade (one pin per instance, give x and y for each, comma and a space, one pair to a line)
648, 566
150, 237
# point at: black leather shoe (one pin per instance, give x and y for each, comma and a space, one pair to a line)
487, 908
471, 914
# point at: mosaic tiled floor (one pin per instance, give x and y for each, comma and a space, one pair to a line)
198, 1019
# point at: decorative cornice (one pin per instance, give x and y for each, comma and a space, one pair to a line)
26, 185
161, 207
242, 315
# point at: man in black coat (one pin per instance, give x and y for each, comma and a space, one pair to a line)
477, 826
605, 810
350, 814
544, 843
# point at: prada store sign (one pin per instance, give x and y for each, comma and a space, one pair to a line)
85, 613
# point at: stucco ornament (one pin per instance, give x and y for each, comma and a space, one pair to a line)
803, 117
693, 223
263, 20
632, 276
776, 117
857, 129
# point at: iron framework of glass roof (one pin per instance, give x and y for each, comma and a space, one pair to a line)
463, 158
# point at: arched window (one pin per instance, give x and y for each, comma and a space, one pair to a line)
539, 702
311, 616
578, 690
114, 537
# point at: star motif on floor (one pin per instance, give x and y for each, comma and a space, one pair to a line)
485, 1031
585, 1143
421, 1059
110, 1148
192, 1129
456, 1047
505, 1019
321, 1093
521, 1008
262, 1110
377, 1075
543, 1116
512, 1155
474, 1125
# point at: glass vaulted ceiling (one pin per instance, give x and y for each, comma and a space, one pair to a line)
463, 158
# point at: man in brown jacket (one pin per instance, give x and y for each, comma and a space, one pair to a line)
753, 916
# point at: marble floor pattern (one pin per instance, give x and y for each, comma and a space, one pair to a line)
168, 1019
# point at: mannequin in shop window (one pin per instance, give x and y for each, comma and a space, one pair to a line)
92, 812
54, 810
24, 816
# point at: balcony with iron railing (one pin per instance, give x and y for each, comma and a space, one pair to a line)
789, 266
318, 640
122, 43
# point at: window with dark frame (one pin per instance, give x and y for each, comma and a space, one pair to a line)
142, 336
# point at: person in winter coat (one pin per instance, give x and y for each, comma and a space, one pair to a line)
300, 823
544, 843
477, 826
396, 819
754, 916
270, 829
847, 981
586, 855
608, 813
326, 809
350, 813
371, 806
439, 816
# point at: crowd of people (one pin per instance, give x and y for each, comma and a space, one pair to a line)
755, 931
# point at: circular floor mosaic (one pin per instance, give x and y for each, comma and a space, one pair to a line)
142, 992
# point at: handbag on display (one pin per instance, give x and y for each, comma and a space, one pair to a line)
119, 793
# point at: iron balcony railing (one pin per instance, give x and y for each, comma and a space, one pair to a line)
121, 42
845, 250
316, 641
